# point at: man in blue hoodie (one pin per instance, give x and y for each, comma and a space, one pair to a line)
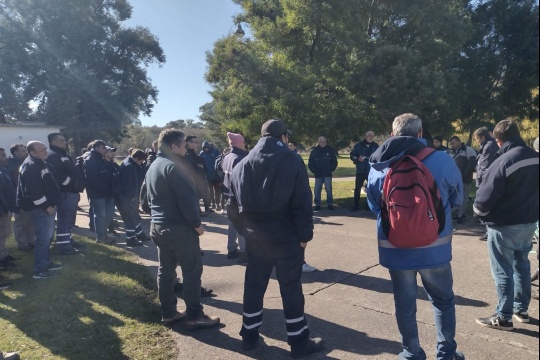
431, 262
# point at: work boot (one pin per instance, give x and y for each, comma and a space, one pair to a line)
311, 347
203, 322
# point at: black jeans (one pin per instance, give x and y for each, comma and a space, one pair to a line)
289, 274
214, 188
178, 245
360, 179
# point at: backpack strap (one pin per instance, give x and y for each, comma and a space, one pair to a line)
425, 153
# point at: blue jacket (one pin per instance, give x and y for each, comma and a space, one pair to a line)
129, 179
8, 194
69, 176
209, 161
100, 180
364, 149
448, 179
38, 187
322, 161
271, 200
228, 162
508, 195
486, 157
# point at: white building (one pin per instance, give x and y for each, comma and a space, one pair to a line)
22, 133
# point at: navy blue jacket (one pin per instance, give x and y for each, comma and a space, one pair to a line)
37, 187
486, 157
228, 162
12, 168
209, 161
508, 194
364, 149
322, 161
100, 182
8, 194
465, 158
130, 182
169, 192
271, 200
69, 176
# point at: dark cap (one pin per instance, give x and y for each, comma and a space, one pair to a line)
110, 148
274, 128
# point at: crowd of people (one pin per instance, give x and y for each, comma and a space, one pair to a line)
413, 189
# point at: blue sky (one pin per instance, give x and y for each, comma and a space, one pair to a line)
186, 30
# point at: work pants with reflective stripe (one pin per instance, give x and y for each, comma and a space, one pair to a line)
66, 216
130, 214
289, 274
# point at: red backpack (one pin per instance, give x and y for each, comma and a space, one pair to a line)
413, 215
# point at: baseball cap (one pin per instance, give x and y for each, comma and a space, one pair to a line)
274, 128
110, 148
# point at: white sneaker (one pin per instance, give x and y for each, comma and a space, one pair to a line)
223, 212
308, 268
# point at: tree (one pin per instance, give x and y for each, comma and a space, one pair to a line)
78, 64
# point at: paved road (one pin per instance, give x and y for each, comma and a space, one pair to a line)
349, 301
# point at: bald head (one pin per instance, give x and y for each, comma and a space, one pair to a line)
37, 150
321, 141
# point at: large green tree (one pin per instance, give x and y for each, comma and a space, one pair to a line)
73, 63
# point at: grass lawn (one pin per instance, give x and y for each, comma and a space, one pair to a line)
343, 192
101, 305
345, 168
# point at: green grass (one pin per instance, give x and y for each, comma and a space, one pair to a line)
101, 305
346, 168
343, 193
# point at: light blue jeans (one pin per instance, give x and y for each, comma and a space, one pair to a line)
438, 283
232, 235
103, 215
327, 182
509, 248
44, 228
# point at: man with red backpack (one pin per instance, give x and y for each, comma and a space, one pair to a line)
412, 190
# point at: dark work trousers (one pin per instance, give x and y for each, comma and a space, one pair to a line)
214, 187
178, 245
360, 179
129, 211
289, 274
66, 215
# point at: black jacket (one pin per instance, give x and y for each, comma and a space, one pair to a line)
69, 176
228, 162
38, 186
322, 161
465, 158
271, 200
508, 194
486, 157
100, 182
8, 194
364, 149
12, 168
130, 181
169, 192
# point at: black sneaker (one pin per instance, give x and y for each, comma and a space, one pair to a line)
143, 237
203, 322
43, 275
54, 266
522, 316
312, 346
233, 255
132, 243
495, 322
317, 208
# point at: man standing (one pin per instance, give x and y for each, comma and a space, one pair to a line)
432, 262
71, 182
209, 155
271, 207
438, 144
360, 156
176, 226
23, 229
486, 156
465, 158
507, 201
100, 189
38, 193
322, 163
128, 198
236, 154
196, 170
8, 205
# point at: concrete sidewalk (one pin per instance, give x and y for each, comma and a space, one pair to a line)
349, 301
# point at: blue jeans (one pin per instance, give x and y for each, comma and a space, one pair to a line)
67, 214
232, 235
509, 248
44, 228
103, 215
438, 283
327, 181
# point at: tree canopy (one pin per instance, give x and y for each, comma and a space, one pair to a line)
340, 68
73, 63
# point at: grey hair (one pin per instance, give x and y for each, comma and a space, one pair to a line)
370, 133
407, 125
